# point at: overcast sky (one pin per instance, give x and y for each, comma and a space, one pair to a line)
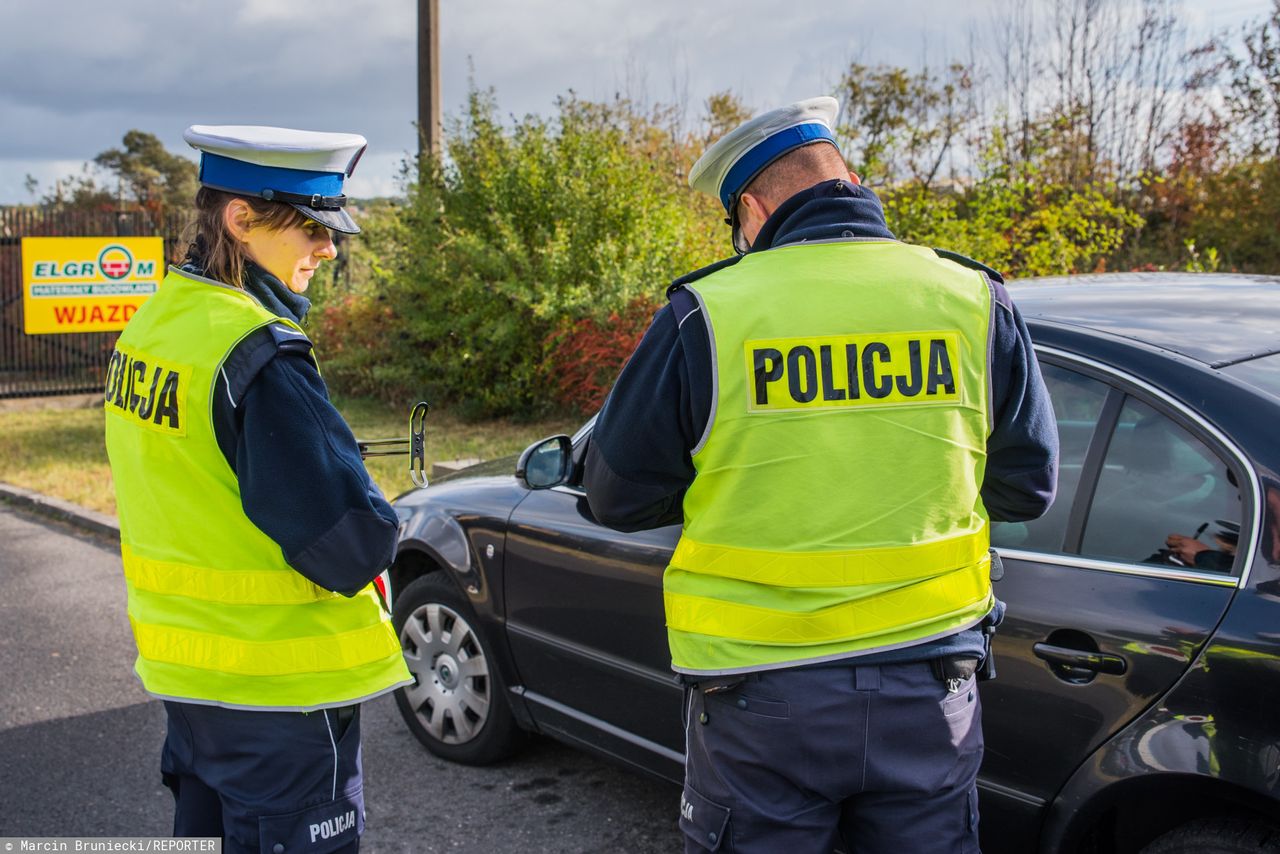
77, 74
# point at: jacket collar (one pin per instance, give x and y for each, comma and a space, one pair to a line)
831, 210
266, 289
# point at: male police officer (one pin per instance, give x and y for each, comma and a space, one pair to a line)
249, 529
834, 415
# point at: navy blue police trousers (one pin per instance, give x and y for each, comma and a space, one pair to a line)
878, 758
269, 782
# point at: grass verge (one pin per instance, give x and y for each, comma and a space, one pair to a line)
60, 452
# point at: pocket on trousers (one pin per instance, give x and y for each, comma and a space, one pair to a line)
749, 708
961, 701
315, 830
703, 821
347, 723
971, 822
959, 711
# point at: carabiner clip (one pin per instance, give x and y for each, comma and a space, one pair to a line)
418, 444
415, 446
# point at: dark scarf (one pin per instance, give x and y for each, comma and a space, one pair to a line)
274, 295
268, 290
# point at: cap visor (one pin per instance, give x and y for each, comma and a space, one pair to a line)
338, 220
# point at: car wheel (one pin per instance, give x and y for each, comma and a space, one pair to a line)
456, 706
1218, 836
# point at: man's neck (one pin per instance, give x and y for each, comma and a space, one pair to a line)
829, 210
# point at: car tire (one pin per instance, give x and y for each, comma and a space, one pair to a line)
457, 706
1218, 836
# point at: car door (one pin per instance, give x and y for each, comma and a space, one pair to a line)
1100, 621
585, 624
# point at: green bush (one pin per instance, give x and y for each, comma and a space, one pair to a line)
1014, 220
523, 231
519, 270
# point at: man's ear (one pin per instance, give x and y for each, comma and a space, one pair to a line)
853, 178
237, 217
759, 211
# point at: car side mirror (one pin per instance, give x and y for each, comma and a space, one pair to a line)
546, 463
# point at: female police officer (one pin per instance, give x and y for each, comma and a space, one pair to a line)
249, 529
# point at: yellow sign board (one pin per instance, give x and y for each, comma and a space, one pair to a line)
87, 284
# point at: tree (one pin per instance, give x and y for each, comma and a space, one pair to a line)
901, 125
77, 192
1253, 90
148, 174
145, 175
725, 111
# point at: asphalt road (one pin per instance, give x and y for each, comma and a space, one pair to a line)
80, 740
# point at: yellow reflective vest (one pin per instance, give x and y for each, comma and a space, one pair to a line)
836, 507
218, 615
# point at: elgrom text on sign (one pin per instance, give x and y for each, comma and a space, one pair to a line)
87, 284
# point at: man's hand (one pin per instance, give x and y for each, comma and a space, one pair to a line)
1185, 548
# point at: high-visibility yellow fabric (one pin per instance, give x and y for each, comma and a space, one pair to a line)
345, 651
229, 587
836, 507
889, 609
865, 566
218, 615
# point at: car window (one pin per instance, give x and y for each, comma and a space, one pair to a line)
581, 443
1161, 487
1077, 404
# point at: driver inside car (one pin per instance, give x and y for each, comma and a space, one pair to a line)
1194, 553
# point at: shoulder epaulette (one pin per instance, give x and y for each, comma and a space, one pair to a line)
702, 272
255, 350
289, 339
965, 261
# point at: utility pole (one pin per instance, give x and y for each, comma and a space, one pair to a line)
428, 77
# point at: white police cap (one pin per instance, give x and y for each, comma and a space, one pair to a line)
303, 168
730, 164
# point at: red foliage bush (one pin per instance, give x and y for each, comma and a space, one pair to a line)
586, 355
350, 334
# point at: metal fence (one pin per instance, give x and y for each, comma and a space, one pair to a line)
34, 365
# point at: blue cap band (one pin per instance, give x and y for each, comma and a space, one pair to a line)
225, 173
768, 151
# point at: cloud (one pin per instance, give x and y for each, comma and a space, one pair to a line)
79, 73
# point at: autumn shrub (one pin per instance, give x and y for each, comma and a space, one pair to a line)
588, 353
1015, 219
1239, 216
525, 231
350, 334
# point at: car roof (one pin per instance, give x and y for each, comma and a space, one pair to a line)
1215, 318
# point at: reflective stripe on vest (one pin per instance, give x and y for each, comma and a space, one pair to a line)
836, 506
346, 651
834, 569
218, 615
228, 587
922, 603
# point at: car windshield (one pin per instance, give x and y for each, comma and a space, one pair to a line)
1263, 373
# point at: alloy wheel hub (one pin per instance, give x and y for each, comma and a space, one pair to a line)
447, 671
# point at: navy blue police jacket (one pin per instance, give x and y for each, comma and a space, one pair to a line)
638, 464
302, 482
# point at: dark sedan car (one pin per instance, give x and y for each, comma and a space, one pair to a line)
1137, 705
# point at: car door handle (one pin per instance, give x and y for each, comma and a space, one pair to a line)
1085, 658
